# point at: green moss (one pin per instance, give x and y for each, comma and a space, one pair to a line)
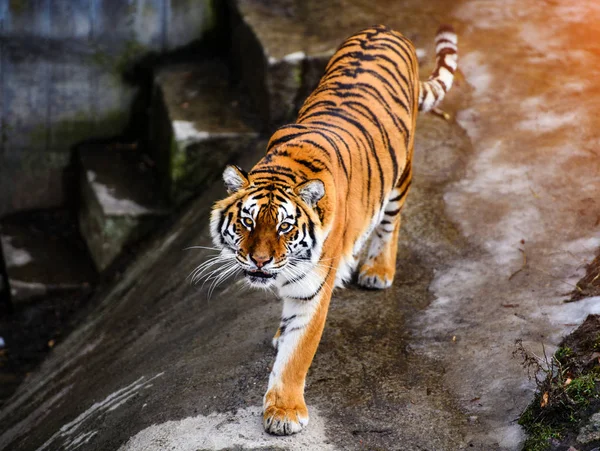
539, 437
178, 162
119, 63
297, 74
582, 389
17, 6
596, 345
133, 51
210, 18
539, 433
563, 353
34, 162
69, 131
563, 399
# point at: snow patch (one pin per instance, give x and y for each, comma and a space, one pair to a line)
476, 71
14, 257
548, 121
112, 401
217, 431
186, 131
112, 204
569, 315
294, 57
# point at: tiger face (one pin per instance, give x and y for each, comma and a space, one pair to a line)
271, 229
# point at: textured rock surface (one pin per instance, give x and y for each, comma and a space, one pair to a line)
120, 201
62, 79
591, 431
198, 126
282, 47
44, 255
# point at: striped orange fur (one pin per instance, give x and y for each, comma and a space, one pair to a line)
325, 200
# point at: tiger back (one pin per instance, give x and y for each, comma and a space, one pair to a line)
324, 202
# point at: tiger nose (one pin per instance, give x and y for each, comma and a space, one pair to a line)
260, 260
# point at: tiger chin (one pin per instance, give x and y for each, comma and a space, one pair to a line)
324, 203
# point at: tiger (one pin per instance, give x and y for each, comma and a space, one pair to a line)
323, 204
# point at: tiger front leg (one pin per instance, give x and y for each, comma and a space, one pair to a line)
378, 267
284, 408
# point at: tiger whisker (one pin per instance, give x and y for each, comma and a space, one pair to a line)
199, 271
202, 247
230, 272
215, 273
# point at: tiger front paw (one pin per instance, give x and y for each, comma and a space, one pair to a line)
375, 280
281, 419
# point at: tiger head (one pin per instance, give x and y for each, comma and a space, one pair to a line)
272, 230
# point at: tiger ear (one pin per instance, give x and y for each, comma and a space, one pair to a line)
235, 178
311, 192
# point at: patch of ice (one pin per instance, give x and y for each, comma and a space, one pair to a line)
294, 57
485, 15
468, 119
548, 121
112, 204
576, 86
476, 71
217, 431
186, 131
578, 11
570, 314
14, 257
509, 437
66, 432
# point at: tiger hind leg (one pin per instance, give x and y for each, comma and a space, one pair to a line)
378, 267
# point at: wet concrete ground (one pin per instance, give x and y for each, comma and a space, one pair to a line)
500, 223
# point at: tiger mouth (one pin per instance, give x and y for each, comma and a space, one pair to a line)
260, 274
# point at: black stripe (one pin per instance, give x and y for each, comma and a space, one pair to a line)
402, 194
309, 164
384, 134
366, 134
284, 139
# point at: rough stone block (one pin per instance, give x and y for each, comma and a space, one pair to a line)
280, 47
44, 254
197, 127
278, 55
120, 201
62, 67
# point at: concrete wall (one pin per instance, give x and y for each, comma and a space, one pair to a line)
61, 67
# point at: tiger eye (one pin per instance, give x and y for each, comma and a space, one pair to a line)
247, 222
286, 226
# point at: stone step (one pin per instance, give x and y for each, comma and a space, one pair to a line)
198, 125
44, 254
121, 200
281, 48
